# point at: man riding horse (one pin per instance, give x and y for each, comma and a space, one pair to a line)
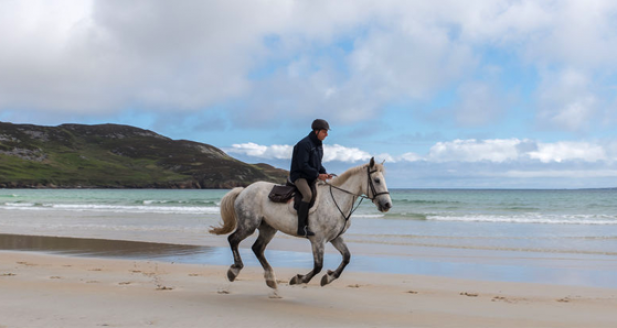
306, 169
246, 209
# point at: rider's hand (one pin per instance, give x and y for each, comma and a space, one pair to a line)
324, 177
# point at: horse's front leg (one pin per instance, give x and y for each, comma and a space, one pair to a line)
318, 250
339, 244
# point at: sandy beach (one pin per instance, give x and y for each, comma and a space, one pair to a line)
42, 290
143, 258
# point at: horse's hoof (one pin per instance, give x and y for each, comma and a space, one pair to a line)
295, 280
271, 284
232, 274
234, 271
326, 279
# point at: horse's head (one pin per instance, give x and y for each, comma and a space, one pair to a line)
376, 188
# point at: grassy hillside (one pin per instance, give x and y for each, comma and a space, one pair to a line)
117, 156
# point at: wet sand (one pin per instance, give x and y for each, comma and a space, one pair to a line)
561, 269
45, 290
100, 247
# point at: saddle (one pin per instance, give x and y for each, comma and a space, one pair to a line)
284, 194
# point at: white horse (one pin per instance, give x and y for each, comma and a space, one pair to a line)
247, 209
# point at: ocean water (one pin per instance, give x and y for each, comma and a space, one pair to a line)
555, 236
549, 221
554, 221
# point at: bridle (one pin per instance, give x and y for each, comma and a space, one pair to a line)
371, 188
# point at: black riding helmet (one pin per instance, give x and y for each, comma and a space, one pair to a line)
320, 124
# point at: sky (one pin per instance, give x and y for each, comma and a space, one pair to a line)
451, 94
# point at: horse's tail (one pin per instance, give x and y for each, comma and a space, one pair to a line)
228, 213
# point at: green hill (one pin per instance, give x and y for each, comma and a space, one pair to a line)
117, 156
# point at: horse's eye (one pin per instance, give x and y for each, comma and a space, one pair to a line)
377, 180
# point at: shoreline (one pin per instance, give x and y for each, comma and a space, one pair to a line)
551, 269
44, 290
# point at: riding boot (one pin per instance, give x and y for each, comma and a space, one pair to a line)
303, 229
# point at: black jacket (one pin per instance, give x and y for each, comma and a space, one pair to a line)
306, 159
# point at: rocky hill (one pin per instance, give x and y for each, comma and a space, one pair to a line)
117, 156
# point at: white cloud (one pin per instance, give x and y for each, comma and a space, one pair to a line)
414, 61
410, 157
498, 150
462, 151
106, 56
113, 54
512, 150
344, 154
260, 151
550, 173
331, 152
579, 34
576, 113
102, 56
567, 32
565, 151
479, 104
566, 100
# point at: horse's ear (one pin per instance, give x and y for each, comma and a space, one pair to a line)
372, 162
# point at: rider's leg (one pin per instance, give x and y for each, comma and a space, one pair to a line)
303, 209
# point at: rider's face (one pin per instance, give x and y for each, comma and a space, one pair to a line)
322, 134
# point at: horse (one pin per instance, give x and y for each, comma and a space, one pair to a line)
247, 209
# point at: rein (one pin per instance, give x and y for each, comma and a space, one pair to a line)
362, 197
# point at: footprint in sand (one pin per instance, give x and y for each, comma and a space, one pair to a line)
162, 288
412, 292
55, 277
354, 286
275, 295
8, 274
469, 294
510, 300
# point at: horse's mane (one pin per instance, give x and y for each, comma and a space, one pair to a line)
341, 179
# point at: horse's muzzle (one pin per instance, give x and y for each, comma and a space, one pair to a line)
385, 206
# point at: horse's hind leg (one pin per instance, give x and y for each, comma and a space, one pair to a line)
242, 231
318, 250
266, 233
340, 245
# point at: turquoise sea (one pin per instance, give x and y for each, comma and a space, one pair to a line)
491, 227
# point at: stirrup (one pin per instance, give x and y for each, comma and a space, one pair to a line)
305, 232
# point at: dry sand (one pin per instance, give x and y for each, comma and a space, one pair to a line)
40, 290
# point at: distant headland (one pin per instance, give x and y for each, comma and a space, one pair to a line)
117, 156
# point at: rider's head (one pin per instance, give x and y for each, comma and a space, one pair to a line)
320, 128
